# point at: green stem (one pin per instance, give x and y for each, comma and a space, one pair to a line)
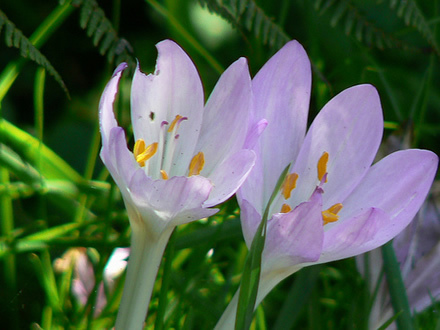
397, 289
143, 265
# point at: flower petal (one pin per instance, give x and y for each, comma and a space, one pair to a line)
119, 160
229, 176
398, 184
355, 236
250, 219
295, 237
106, 116
349, 128
281, 96
174, 89
164, 203
225, 114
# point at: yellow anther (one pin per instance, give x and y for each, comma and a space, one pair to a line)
331, 214
197, 163
335, 208
164, 174
142, 153
139, 147
322, 166
289, 184
174, 123
285, 208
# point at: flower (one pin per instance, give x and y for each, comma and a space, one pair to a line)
186, 158
333, 204
417, 250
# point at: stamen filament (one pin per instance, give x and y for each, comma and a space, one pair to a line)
322, 166
197, 163
289, 184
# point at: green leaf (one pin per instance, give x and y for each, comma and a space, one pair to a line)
251, 273
396, 287
28, 147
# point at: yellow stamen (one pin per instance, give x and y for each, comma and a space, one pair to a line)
322, 166
289, 184
164, 174
174, 123
139, 147
285, 208
197, 163
331, 214
142, 153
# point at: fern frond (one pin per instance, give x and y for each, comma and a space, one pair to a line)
102, 32
413, 16
247, 14
355, 23
15, 38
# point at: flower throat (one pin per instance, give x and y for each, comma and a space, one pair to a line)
165, 147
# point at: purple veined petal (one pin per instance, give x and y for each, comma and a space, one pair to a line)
174, 89
106, 116
170, 202
119, 160
398, 184
349, 128
295, 237
229, 176
254, 133
281, 96
226, 116
354, 236
251, 190
250, 219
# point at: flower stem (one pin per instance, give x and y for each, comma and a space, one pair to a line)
143, 265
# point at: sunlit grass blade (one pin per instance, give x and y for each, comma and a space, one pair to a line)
396, 287
251, 273
44, 275
52, 165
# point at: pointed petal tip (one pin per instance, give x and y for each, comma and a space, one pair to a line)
121, 67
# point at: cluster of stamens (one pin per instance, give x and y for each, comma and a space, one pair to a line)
329, 215
166, 146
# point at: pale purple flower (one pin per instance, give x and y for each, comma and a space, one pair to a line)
418, 253
333, 204
187, 156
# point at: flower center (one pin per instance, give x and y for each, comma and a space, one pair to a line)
329, 215
165, 147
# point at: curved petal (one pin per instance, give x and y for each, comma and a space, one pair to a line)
355, 236
398, 184
249, 219
229, 176
106, 116
226, 116
349, 128
174, 89
295, 237
281, 95
163, 203
119, 160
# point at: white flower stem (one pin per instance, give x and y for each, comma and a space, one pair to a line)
143, 265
